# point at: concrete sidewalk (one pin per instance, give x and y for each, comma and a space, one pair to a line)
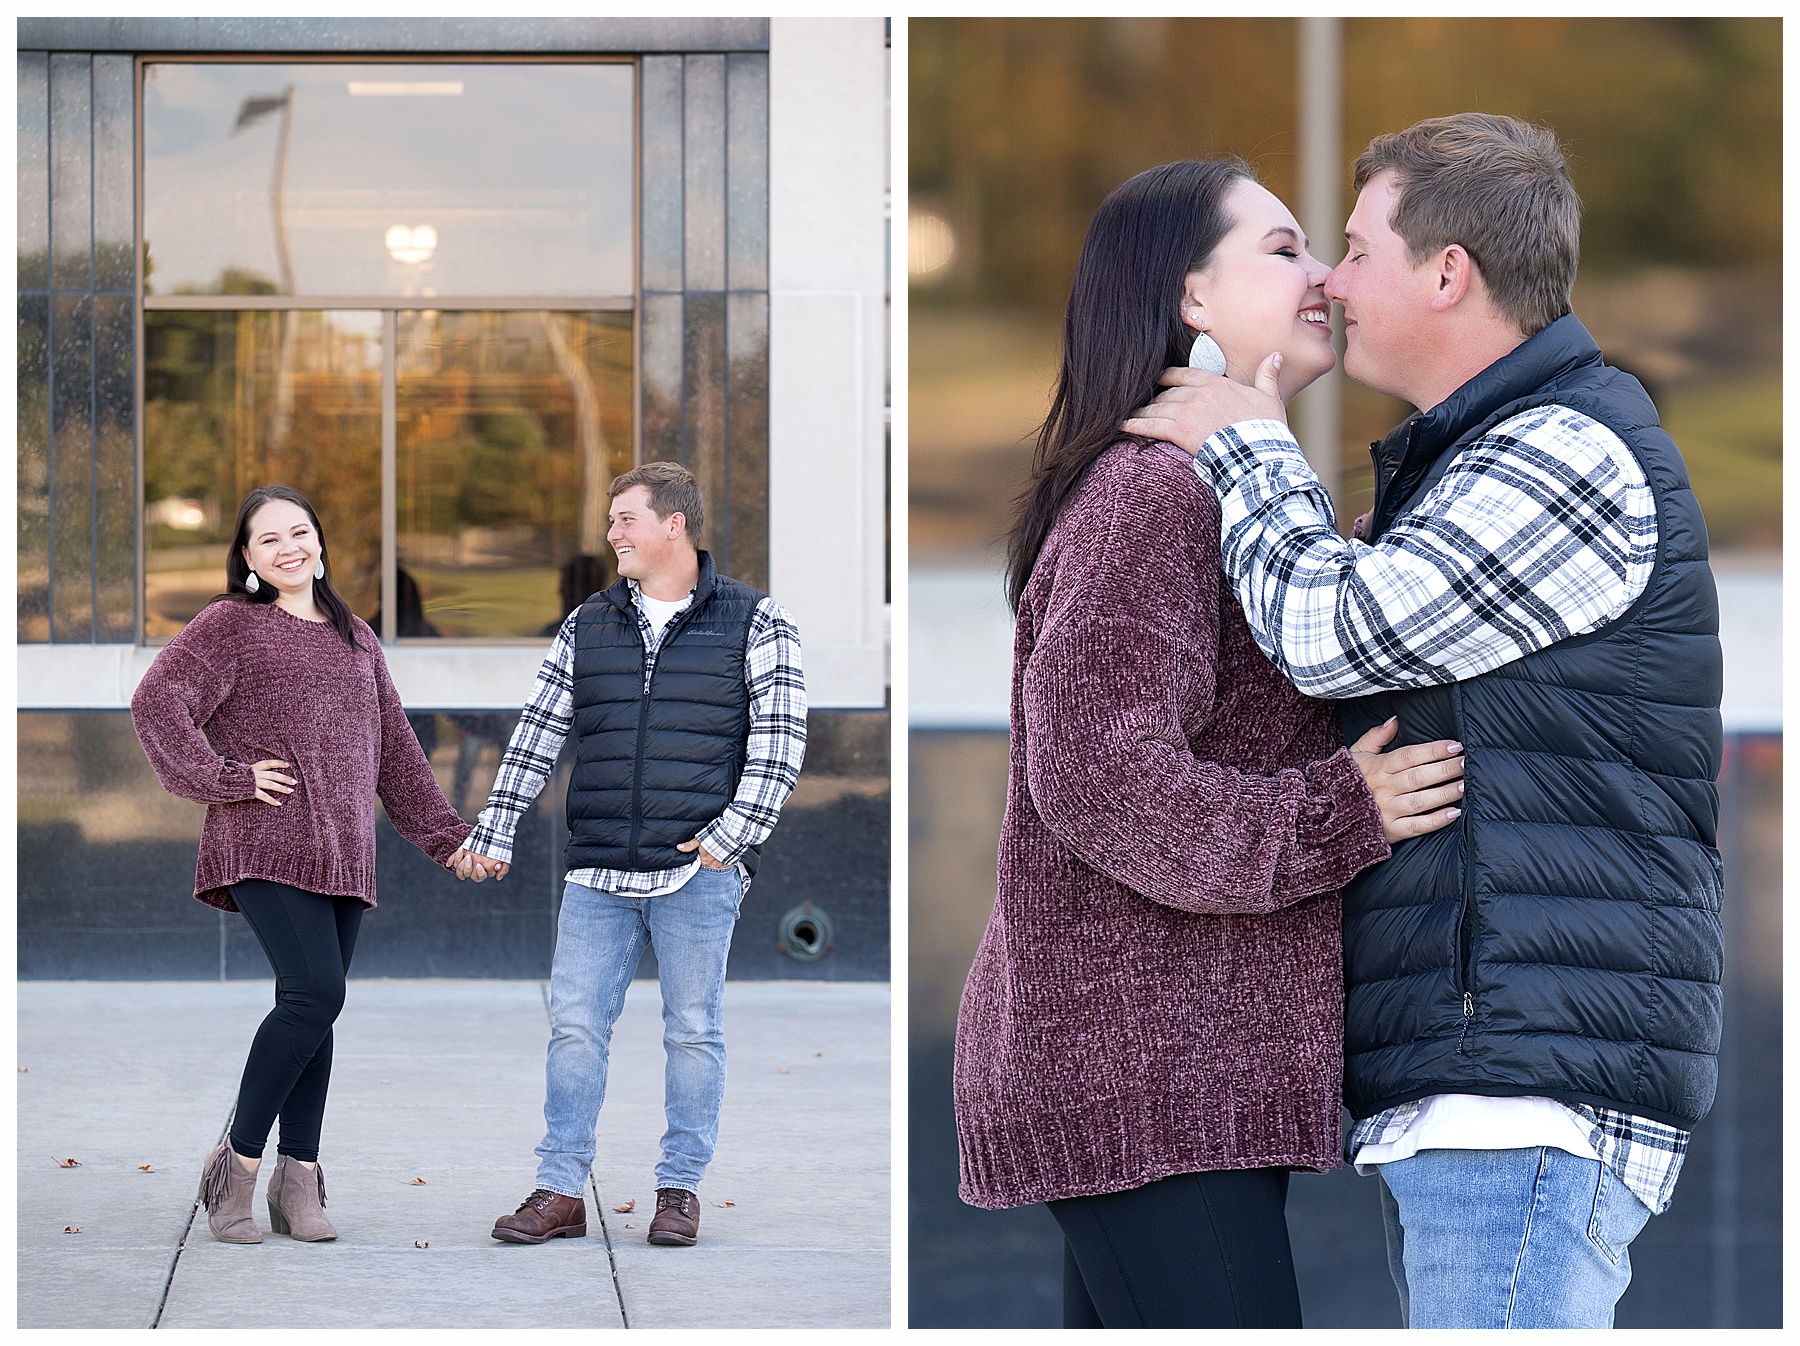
443, 1080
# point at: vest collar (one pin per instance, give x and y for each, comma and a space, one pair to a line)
1540, 362
620, 594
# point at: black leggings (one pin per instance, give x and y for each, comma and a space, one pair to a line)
309, 939
1194, 1250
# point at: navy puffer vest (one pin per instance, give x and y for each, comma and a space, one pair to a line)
657, 758
1562, 938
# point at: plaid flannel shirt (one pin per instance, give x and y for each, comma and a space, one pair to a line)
777, 744
1541, 529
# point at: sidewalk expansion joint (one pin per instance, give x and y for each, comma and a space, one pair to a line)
611, 1261
162, 1300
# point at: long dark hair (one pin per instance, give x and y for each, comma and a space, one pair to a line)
336, 610
1122, 329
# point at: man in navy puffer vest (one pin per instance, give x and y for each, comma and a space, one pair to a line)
1532, 997
683, 693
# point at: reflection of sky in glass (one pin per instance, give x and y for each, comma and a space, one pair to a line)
526, 177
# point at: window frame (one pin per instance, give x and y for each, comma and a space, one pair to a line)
389, 306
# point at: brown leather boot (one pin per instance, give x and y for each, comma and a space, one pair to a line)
227, 1188
677, 1220
297, 1201
545, 1215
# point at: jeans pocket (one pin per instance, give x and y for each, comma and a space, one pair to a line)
1617, 1218
726, 882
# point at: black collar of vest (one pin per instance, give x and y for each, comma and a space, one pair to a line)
620, 594
1541, 361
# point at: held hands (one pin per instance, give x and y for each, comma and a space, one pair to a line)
467, 864
1417, 789
706, 857
270, 781
1197, 405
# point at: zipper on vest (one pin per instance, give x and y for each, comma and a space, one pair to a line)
1465, 959
676, 622
637, 766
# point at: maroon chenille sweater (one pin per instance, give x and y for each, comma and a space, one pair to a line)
246, 682
1160, 988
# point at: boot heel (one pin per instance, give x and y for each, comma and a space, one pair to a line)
277, 1221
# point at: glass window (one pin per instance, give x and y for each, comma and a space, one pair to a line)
510, 427
416, 180
234, 400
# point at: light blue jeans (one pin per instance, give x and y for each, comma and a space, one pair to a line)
1508, 1238
599, 939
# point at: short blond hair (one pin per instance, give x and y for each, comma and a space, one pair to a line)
1500, 188
672, 488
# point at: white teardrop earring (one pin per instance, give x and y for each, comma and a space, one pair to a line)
319, 570
251, 582
1205, 354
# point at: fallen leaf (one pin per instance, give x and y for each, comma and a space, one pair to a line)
783, 1070
387, 1081
416, 1182
145, 1168
421, 1243
24, 1070
724, 1203
631, 1226
628, 1207
70, 1163
71, 1229
817, 1055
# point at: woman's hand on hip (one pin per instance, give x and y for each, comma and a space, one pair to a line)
1418, 789
270, 781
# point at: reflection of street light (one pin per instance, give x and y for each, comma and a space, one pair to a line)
252, 111
411, 245
929, 242
187, 515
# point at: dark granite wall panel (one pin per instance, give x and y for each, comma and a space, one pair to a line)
106, 865
1713, 1259
77, 350
704, 302
33, 385
34, 171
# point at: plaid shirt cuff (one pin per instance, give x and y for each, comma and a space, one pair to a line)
1249, 464
490, 841
718, 842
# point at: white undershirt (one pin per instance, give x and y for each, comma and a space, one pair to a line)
1473, 1122
661, 612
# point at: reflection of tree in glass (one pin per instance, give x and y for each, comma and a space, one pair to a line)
232, 280
225, 410
505, 470
1673, 132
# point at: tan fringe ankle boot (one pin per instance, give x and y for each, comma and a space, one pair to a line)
297, 1201
228, 1188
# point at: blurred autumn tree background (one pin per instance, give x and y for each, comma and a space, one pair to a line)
1020, 128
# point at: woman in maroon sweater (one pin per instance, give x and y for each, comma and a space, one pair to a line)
273, 707
1151, 1036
